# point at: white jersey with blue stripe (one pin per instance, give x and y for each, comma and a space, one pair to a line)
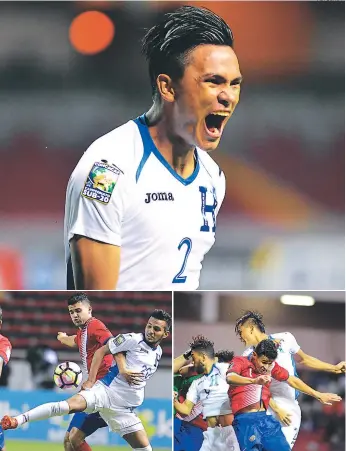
140, 357
212, 390
287, 347
124, 193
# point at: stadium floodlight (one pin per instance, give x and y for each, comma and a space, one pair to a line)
297, 299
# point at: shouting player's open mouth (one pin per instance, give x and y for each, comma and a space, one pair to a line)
215, 123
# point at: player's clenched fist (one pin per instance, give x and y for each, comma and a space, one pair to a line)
262, 380
61, 335
340, 368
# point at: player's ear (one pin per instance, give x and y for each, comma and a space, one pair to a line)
164, 85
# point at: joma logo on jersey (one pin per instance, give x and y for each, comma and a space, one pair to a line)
158, 196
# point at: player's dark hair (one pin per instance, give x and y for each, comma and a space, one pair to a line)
224, 356
202, 344
268, 348
254, 318
78, 297
163, 316
167, 44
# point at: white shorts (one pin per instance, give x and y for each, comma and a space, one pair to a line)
220, 439
291, 431
120, 419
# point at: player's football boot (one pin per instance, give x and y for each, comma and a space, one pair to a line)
9, 423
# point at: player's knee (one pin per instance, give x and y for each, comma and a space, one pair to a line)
77, 437
146, 448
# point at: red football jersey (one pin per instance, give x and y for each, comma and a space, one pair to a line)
91, 337
242, 396
5, 349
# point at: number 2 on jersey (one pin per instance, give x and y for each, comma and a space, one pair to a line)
179, 278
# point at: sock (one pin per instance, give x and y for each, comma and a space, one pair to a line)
83, 447
147, 448
51, 409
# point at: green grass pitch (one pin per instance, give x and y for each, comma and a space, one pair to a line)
12, 445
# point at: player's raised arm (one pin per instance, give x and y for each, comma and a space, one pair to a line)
281, 374
67, 340
316, 364
181, 360
95, 264
324, 398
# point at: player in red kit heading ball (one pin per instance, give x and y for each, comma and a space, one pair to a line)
249, 379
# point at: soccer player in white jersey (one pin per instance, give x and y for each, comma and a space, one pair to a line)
251, 330
113, 397
212, 391
142, 202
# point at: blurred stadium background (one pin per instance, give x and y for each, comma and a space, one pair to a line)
66, 78
319, 330
31, 321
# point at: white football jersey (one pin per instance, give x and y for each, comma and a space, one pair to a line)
123, 192
212, 391
140, 357
287, 348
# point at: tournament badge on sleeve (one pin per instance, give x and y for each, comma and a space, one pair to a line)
101, 182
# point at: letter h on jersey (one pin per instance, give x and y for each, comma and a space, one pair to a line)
207, 208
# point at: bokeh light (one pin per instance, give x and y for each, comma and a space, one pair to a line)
91, 32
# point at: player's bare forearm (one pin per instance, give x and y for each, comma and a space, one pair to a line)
120, 360
313, 363
96, 362
183, 408
1, 366
95, 264
179, 362
273, 405
67, 340
283, 416
298, 384
236, 379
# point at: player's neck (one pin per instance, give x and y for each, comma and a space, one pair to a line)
151, 345
259, 336
208, 367
173, 148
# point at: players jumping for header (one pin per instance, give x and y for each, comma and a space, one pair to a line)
249, 379
148, 188
112, 396
251, 330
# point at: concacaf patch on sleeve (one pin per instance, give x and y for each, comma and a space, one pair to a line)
119, 339
101, 182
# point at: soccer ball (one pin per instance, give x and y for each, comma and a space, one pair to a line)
68, 375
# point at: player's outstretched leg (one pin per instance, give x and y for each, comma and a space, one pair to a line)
52, 409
